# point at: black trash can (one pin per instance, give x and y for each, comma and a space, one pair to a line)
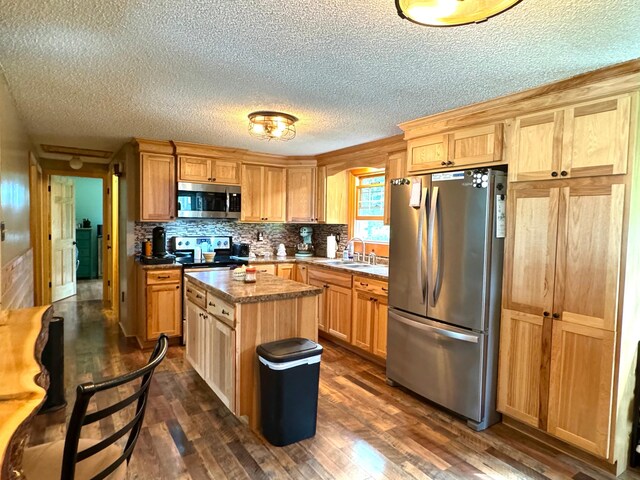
53, 361
289, 376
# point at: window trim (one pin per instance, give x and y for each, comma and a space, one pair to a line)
379, 248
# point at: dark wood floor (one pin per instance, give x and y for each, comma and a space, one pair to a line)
366, 429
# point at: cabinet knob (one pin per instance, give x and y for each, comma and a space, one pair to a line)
450, 163
545, 314
556, 315
213, 179
554, 174
443, 163
177, 287
224, 312
564, 173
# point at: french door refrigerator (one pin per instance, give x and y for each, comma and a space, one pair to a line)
445, 282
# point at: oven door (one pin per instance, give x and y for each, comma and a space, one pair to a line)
197, 200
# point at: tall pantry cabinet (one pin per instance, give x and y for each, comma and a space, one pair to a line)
573, 212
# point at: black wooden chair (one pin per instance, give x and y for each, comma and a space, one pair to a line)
75, 458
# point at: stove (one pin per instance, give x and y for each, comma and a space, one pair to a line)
188, 252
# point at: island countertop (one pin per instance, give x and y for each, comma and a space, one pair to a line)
267, 288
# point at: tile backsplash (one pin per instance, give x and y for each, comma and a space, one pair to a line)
273, 233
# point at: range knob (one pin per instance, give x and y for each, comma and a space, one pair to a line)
218, 243
187, 242
179, 243
226, 243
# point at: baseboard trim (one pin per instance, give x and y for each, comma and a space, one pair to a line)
559, 445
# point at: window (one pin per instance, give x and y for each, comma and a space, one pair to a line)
369, 208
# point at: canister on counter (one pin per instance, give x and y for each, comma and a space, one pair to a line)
146, 248
250, 276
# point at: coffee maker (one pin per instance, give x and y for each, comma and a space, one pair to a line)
159, 255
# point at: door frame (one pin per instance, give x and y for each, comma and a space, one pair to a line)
88, 170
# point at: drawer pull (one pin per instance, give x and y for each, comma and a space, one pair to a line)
364, 284
189, 290
198, 295
211, 304
163, 277
385, 289
224, 312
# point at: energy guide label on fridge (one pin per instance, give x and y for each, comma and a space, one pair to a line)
501, 216
447, 176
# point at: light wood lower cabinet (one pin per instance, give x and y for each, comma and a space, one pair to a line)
322, 302
159, 304
370, 306
301, 273
336, 299
285, 270
581, 386
211, 350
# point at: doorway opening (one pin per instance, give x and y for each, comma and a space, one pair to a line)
77, 241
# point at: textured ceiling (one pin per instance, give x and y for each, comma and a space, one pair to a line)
92, 73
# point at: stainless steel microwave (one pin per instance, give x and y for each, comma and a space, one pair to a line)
197, 200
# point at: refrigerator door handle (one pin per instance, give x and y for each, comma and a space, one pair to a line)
433, 218
433, 331
440, 259
420, 245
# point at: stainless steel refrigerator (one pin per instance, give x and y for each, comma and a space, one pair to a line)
445, 282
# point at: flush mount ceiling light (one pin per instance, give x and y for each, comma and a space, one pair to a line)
75, 163
445, 13
272, 125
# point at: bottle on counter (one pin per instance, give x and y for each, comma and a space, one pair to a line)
146, 248
250, 275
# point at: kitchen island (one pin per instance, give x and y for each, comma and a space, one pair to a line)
227, 319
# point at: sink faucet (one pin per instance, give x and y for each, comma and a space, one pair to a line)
351, 247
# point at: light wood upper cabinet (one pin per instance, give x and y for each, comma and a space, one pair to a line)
581, 385
194, 169
530, 251
427, 153
476, 145
588, 254
301, 194
586, 140
332, 205
208, 170
263, 194
537, 146
226, 172
274, 197
521, 362
395, 168
157, 187
252, 193
460, 148
596, 138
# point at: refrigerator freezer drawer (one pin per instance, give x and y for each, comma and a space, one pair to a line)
442, 363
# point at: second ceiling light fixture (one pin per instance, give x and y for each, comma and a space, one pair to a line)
446, 13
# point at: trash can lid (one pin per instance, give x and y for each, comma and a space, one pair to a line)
288, 349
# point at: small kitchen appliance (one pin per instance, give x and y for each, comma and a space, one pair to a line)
159, 255
240, 249
305, 248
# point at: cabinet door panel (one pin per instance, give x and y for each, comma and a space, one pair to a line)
521, 364
322, 304
164, 310
339, 312
380, 314
274, 194
537, 146
192, 334
301, 273
596, 138
476, 145
589, 248
194, 169
531, 250
427, 153
226, 172
363, 306
158, 187
252, 193
285, 270
223, 357
301, 194
581, 386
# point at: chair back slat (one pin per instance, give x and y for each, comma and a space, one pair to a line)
79, 416
105, 412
